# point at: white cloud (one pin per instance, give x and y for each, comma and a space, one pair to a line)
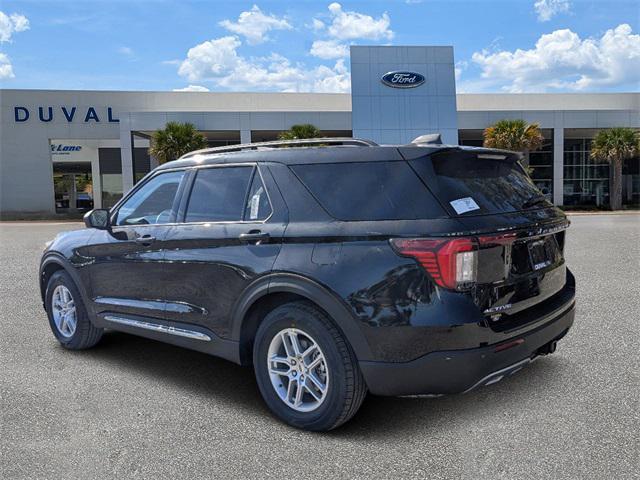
126, 51
329, 49
6, 70
192, 88
347, 26
561, 60
211, 59
331, 80
10, 24
546, 9
317, 25
219, 62
254, 25
460, 67
353, 25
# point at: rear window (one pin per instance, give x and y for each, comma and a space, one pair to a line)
475, 183
369, 190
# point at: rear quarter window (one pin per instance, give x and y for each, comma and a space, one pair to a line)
365, 191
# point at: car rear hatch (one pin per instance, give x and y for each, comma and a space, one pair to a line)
517, 235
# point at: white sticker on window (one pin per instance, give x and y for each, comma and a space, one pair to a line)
463, 205
255, 204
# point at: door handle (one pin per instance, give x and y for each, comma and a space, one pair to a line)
145, 240
254, 236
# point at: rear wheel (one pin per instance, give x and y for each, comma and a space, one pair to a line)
306, 371
67, 314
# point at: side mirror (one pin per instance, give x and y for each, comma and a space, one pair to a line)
97, 218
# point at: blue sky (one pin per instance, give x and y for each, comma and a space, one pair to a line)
500, 46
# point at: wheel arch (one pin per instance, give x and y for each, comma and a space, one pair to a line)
274, 290
52, 264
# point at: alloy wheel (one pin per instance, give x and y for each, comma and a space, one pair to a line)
63, 309
298, 370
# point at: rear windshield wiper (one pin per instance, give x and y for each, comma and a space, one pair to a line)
534, 200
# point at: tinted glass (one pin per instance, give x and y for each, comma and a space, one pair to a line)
369, 190
152, 203
494, 185
219, 194
257, 206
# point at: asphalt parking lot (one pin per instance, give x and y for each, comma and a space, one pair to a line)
133, 408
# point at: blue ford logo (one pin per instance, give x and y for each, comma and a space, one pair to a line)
403, 79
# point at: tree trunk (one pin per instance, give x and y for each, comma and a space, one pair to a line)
525, 159
615, 195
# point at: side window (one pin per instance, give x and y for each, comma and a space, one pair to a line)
152, 203
258, 206
218, 194
366, 191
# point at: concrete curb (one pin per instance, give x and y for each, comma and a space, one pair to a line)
622, 212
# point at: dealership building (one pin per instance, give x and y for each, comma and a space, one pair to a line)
66, 151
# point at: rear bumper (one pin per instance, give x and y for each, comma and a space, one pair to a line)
457, 371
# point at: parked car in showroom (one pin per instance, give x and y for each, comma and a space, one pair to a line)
336, 268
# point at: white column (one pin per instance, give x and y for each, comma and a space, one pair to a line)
96, 181
245, 136
126, 154
558, 165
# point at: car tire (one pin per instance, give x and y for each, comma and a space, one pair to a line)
67, 314
337, 368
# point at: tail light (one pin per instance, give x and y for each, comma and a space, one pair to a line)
453, 263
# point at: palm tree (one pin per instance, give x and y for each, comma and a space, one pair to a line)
614, 146
175, 140
515, 135
302, 131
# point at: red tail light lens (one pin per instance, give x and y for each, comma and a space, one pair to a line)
451, 263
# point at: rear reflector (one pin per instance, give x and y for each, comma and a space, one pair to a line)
451, 263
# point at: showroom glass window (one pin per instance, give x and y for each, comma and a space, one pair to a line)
541, 165
586, 181
152, 203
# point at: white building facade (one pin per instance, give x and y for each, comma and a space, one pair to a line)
67, 151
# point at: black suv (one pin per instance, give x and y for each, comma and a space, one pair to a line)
334, 268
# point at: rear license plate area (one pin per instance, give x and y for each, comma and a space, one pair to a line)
541, 253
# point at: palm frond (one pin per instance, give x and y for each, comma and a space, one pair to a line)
615, 145
175, 140
515, 135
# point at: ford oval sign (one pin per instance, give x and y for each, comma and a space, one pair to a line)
403, 79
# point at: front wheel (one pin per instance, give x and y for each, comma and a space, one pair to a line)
67, 314
306, 371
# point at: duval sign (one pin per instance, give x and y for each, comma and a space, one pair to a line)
68, 113
401, 79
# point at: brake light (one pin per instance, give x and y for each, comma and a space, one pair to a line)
451, 263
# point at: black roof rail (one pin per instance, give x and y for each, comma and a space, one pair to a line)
356, 142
